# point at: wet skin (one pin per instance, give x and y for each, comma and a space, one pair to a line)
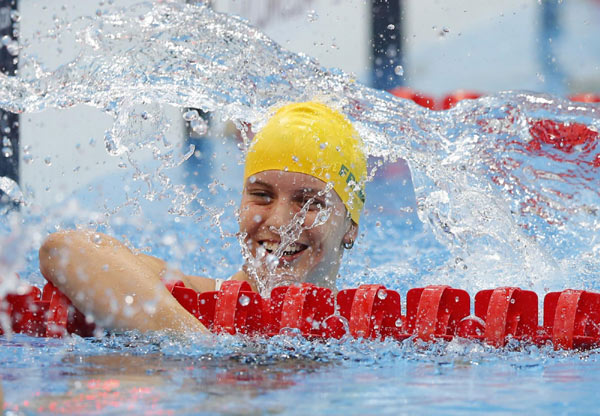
298, 211
122, 288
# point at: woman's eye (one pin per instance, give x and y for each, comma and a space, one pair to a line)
314, 204
261, 195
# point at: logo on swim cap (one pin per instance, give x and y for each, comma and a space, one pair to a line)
351, 181
314, 139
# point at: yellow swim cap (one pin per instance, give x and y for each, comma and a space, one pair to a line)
312, 138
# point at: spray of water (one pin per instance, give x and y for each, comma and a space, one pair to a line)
265, 264
510, 212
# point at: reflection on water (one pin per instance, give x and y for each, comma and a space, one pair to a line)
152, 382
163, 376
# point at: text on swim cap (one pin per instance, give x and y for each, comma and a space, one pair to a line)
350, 178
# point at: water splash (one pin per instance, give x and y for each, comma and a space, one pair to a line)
268, 265
505, 211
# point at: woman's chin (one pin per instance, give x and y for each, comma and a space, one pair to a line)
280, 277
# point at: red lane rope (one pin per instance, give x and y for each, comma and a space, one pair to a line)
433, 313
450, 100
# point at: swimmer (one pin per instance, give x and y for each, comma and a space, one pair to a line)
300, 208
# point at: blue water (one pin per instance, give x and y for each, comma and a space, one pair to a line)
144, 375
155, 374
463, 216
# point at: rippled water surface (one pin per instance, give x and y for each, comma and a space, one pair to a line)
485, 204
145, 375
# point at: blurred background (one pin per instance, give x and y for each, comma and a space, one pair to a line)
488, 46
431, 48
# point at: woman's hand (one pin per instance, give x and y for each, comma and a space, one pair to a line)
107, 281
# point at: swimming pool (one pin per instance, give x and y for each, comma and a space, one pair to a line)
153, 376
468, 223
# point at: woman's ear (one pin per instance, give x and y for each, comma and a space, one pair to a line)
351, 235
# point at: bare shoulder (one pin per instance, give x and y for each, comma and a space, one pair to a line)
203, 284
161, 268
200, 283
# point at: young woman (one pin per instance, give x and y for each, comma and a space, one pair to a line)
300, 208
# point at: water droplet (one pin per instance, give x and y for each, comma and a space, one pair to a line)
13, 48
129, 299
48, 161
27, 158
391, 26
312, 16
199, 126
169, 239
15, 15
149, 307
5, 40
97, 238
272, 261
244, 300
7, 151
377, 223
257, 218
11, 189
323, 145
398, 323
290, 332
399, 70
295, 158
382, 294
191, 115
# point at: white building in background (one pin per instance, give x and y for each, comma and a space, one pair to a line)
483, 45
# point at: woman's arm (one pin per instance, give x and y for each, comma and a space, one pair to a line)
105, 279
166, 273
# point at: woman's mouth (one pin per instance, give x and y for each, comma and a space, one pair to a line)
291, 252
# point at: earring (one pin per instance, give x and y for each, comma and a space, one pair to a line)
348, 245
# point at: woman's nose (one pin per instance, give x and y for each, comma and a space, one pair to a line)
281, 214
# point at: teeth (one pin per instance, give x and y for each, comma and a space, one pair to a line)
270, 247
291, 249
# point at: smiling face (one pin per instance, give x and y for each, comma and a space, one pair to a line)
293, 228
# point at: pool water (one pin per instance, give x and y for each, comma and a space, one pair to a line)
155, 375
458, 197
